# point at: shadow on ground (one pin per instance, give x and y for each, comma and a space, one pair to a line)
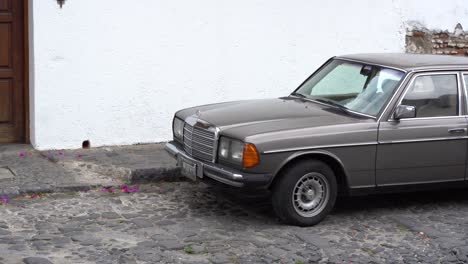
259, 203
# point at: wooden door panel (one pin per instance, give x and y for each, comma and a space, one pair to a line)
12, 101
5, 5
6, 101
5, 43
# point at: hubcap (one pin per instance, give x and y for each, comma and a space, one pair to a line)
310, 194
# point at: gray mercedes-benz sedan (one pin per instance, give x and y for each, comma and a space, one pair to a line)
360, 124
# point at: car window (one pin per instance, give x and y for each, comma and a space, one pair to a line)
359, 87
433, 95
344, 79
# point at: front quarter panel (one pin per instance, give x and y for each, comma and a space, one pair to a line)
352, 145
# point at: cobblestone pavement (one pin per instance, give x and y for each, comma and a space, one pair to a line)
183, 222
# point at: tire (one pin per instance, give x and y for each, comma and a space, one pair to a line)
305, 193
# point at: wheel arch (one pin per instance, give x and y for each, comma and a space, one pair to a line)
325, 156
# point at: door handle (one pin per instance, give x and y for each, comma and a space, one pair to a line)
457, 130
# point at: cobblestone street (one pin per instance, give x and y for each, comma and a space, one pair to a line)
183, 222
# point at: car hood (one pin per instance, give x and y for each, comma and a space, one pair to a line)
241, 119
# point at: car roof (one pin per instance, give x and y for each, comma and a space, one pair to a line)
410, 62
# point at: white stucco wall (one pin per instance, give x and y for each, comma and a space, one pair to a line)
115, 71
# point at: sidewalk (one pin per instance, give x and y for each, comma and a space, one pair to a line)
24, 170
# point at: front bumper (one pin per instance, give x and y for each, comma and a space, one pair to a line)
218, 172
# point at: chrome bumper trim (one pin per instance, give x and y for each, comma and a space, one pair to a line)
209, 170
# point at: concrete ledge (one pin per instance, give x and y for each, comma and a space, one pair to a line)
82, 170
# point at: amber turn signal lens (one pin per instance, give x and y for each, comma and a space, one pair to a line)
250, 157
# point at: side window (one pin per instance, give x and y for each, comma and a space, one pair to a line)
433, 95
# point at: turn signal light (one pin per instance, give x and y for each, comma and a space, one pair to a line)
250, 158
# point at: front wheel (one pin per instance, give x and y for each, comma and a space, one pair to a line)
305, 193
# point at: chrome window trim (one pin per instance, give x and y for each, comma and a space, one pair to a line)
373, 64
438, 68
465, 90
416, 75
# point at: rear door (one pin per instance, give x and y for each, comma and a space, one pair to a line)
432, 147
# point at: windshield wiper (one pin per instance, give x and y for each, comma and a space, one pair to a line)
333, 103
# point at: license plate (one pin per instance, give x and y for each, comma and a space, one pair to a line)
189, 170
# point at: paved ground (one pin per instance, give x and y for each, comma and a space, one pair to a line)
183, 222
25, 170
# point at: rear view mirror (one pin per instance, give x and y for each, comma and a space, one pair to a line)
366, 70
404, 111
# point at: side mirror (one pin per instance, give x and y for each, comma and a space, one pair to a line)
404, 111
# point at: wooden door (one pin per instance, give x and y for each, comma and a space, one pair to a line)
12, 47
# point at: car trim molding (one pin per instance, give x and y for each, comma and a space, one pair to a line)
419, 182
319, 147
421, 140
361, 144
424, 118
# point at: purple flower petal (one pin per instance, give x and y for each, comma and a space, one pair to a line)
22, 154
103, 189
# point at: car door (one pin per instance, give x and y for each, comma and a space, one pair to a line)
432, 146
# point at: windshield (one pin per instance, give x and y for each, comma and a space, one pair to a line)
358, 87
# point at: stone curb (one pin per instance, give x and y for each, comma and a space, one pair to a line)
135, 176
154, 175
125, 174
19, 191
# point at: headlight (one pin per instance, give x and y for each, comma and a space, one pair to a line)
238, 152
178, 128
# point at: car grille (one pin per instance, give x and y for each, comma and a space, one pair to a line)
199, 142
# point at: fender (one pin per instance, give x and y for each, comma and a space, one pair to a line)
300, 154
